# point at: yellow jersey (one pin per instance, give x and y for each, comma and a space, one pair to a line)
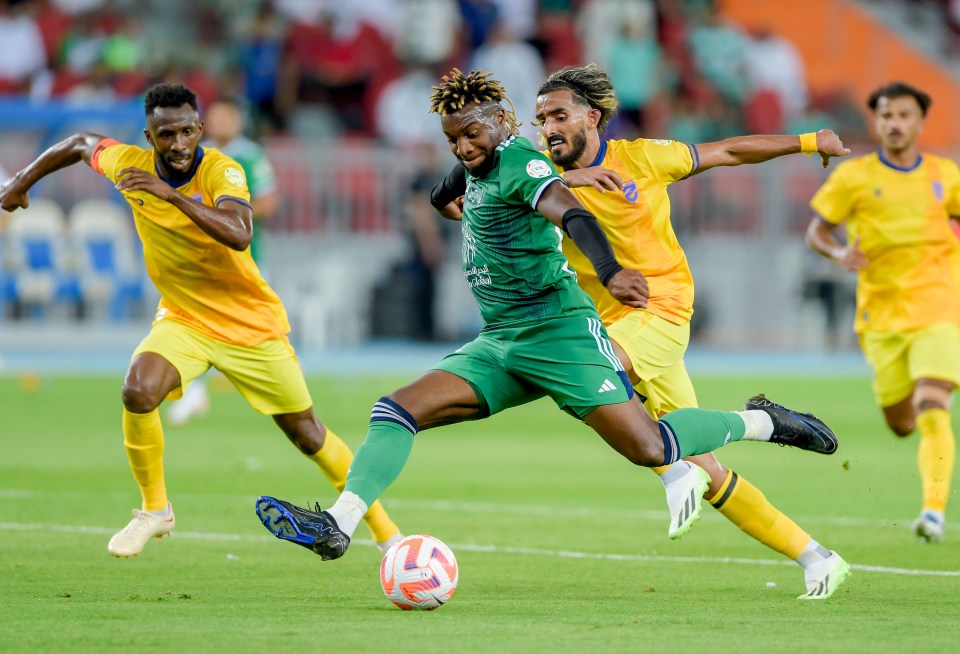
637, 223
202, 283
902, 217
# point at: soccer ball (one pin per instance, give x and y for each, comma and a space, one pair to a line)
419, 572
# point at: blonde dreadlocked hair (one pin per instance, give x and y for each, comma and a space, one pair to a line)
458, 91
589, 85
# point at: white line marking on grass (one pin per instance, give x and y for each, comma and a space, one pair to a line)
542, 511
490, 549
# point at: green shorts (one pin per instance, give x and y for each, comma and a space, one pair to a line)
569, 359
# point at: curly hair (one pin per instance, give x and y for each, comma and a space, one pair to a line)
899, 90
590, 86
457, 91
168, 95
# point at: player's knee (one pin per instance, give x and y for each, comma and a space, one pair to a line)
901, 428
138, 398
303, 429
646, 453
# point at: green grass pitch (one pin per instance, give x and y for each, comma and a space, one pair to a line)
561, 543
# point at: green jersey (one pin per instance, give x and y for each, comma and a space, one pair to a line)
511, 253
261, 178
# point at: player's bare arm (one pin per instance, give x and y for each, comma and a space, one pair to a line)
230, 223
820, 238
14, 194
600, 178
759, 148
561, 207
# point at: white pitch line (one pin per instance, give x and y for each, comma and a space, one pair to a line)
542, 511
491, 549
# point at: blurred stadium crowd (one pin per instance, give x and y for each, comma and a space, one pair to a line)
319, 67
338, 92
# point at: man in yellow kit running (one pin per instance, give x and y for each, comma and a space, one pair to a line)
192, 211
896, 205
624, 184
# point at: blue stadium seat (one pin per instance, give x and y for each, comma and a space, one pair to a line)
110, 279
38, 261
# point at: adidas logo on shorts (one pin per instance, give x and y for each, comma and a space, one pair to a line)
607, 386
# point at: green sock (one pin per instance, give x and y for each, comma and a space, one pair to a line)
699, 431
379, 460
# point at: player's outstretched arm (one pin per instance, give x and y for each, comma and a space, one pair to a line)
229, 223
561, 207
764, 147
14, 194
820, 238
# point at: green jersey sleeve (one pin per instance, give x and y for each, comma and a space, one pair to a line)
525, 173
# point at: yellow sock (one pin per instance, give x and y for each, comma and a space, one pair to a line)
660, 469
744, 505
143, 439
935, 457
334, 460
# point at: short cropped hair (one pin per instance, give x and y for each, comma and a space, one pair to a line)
899, 90
169, 95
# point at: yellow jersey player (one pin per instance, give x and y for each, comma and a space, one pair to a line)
896, 205
192, 211
624, 183
223, 127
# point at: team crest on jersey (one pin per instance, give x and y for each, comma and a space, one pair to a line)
474, 194
938, 190
661, 141
537, 168
630, 191
235, 176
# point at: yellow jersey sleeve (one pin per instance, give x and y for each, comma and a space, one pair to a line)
834, 200
224, 179
951, 183
110, 157
668, 161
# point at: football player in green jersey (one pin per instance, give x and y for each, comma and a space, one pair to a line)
542, 335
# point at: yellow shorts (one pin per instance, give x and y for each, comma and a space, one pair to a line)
656, 347
899, 359
267, 375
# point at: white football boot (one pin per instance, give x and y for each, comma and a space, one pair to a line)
131, 540
684, 495
824, 577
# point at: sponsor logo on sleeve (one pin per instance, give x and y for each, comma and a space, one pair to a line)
537, 168
235, 177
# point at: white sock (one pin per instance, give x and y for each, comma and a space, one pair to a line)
674, 472
163, 513
814, 552
348, 511
759, 426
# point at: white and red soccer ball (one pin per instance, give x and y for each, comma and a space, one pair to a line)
419, 572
